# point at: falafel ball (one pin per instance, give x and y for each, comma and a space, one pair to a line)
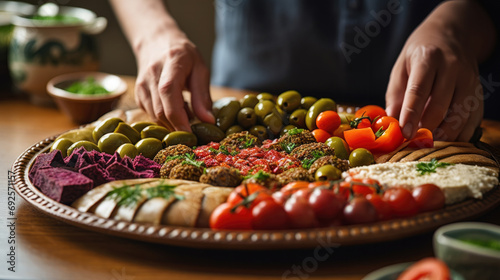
240, 140
342, 165
295, 174
186, 171
312, 150
167, 167
294, 138
221, 176
174, 150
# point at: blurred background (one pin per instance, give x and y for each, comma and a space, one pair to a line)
115, 53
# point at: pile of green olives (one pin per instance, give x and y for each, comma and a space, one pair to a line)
268, 117
114, 135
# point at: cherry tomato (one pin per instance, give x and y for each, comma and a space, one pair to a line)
401, 202
372, 111
359, 211
384, 211
280, 197
294, 186
328, 121
429, 197
383, 123
223, 218
325, 204
423, 139
428, 268
303, 193
321, 135
237, 195
268, 214
300, 213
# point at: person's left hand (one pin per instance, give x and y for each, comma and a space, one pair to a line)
435, 84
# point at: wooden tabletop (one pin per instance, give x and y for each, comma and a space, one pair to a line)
46, 248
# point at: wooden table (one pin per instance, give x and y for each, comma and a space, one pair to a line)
46, 248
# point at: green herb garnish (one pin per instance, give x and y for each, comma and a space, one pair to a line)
259, 176
88, 87
490, 244
306, 163
295, 130
126, 195
430, 167
164, 191
248, 143
191, 159
287, 147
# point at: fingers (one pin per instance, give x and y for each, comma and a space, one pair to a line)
396, 88
201, 102
170, 86
420, 81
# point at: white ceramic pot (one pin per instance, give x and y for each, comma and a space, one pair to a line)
41, 50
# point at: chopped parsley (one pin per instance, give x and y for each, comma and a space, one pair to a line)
295, 130
248, 143
88, 87
430, 167
191, 159
259, 176
306, 163
287, 147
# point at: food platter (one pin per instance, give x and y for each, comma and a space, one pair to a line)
248, 240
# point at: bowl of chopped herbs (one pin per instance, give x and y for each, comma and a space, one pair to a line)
86, 96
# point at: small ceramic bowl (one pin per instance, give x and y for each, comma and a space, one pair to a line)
470, 260
86, 108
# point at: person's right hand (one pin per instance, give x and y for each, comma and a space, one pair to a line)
168, 64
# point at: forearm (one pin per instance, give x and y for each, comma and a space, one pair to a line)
142, 20
466, 21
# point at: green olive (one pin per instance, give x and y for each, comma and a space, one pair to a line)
324, 104
273, 123
264, 108
109, 142
339, 146
307, 101
298, 118
78, 134
106, 126
61, 144
234, 129
247, 117
154, 131
289, 100
227, 115
327, 173
127, 149
207, 132
346, 118
128, 131
360, 157
148, 147
249, 101
286, 128
180, 137
87, 145
139, 126
259, 131
265, 96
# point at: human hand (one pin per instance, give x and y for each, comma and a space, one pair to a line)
435, 84
169, 63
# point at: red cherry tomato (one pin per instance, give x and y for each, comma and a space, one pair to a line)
300, 213
328, 121
423, 139
237, 195
384, 211
280, 197
325, 204
294, 186
429, 197
359, 211
321, 135
383, 123
401, 202
428, 268
372, 111
223, 217
268, 214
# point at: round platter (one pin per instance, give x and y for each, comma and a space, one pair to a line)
249, 240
